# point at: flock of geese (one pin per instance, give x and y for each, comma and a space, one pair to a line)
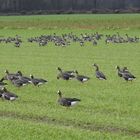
65, 40
18, 80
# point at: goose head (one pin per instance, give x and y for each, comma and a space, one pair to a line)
59, 69
59, 93
6, 71
117, 67
96, 66
4, 89
19, 73
125, 69
31, 76
76, 72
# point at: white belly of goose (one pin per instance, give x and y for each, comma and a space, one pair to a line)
12, 98
84, 79
101, 78
74, 103
40, 83
130, 79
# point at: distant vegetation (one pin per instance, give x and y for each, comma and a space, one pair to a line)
68, 6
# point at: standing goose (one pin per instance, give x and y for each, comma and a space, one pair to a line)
7, 95
98, 73
10, 76
127, 75
120, 71
81, 78
66, 75
37, 81
67, 101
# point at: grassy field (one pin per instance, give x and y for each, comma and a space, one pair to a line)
109, 110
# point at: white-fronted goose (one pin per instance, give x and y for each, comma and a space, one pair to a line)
98, 73
7, 95
81, 78
37, 81
127, 75
19, 82
66, 75
10, 76
67, 101
120, 71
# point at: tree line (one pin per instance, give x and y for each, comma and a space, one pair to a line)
67, 5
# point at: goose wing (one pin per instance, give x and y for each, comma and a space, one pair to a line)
64, 102
100, 74
72, 99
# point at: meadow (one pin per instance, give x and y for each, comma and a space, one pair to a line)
109, 110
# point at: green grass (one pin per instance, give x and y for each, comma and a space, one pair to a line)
108, 110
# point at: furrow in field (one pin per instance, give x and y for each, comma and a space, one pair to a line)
70, 123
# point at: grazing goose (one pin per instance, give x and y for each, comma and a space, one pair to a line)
67, 101
127, 75
36, 81
8, 95
120, 72
81, 78
66, 75
98, 73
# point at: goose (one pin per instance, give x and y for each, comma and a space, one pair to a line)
23, 78
120, 71
66, 75
67, 102
37, 81
81, 78
8, 95
10, 76
98, 73
127, 75
67, 72
19, 82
